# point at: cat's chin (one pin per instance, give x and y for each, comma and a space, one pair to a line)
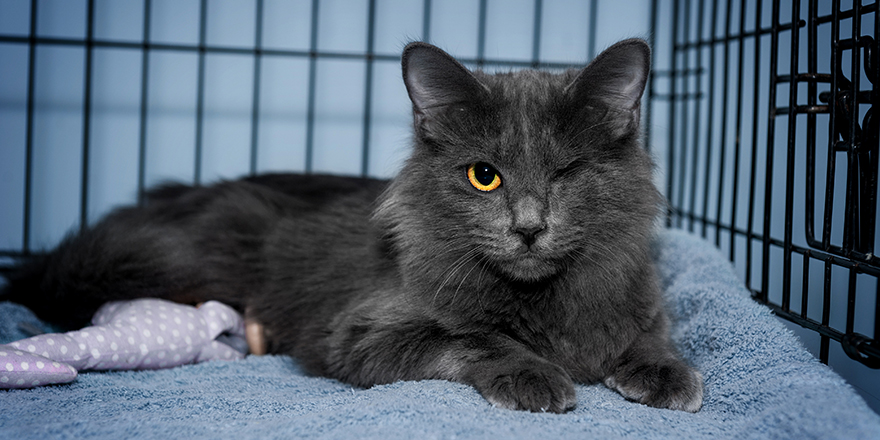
529, 269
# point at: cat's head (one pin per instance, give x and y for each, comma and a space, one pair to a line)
524, 174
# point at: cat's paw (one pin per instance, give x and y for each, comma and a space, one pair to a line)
538, 387
671, 385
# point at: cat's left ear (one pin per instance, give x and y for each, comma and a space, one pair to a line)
617, 79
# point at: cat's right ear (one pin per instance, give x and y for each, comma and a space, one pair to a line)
435, 80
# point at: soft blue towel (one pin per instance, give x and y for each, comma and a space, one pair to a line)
760, 383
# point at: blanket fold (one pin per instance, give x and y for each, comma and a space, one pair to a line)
760, 383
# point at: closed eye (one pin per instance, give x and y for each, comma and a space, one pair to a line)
572, 168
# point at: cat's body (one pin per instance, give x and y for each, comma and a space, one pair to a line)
511, 252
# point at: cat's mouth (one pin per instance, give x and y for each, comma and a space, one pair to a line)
529, 267
523, 262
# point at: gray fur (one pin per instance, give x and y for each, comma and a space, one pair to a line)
520, 291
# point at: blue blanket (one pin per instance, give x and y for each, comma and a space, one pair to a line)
760, 383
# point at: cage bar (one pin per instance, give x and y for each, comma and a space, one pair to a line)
481, 35
426, 21
790, 156
142, 128
200, 92
696, 117
29, 131
536, 33
255, 98
313, 72
737, 144
368, 88
750, 221
771, 132
591, 45
86, 114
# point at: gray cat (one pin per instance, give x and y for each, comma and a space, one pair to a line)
511, 253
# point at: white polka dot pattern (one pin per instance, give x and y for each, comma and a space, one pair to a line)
21, 369
126, 335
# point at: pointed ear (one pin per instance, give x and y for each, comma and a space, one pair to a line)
616, 78
435, 80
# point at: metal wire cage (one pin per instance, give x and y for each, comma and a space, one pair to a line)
773, 155
759, 114
234, 78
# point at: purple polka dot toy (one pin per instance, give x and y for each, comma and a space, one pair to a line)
125, 335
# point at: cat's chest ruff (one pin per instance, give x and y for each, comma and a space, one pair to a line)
563, 327
534, 315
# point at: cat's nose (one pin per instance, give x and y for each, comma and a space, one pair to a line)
529, 234
528, 219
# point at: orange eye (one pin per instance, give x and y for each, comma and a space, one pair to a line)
483, 176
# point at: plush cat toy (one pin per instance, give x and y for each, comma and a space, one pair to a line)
127, 335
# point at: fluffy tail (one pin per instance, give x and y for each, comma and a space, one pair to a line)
32, 284
186, 245
61, 287
168, 252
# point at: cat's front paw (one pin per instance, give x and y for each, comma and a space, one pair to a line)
538, 387
672, 385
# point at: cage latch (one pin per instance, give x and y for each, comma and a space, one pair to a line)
862, 349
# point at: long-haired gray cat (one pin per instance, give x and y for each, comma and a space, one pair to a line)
511, 253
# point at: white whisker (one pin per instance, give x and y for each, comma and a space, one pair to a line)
453, 269
464, 279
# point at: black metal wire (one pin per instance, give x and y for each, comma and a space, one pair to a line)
753, 175
824, 346
709, 123
142, 128
832, 137
591, 29
426, 21
771, 133
875, 102
710, 127
670, 152
790, 157
29, 131
87, 115
852, 201
805, 285
368, 88
536, 32
270, 52
481, 34
812, 68
695, 156
725, 105
877, 313
728, 38
200, 92
313, 73
651, 92
737, 130
683, 129
255, 93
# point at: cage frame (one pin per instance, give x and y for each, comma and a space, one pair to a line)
855, 254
